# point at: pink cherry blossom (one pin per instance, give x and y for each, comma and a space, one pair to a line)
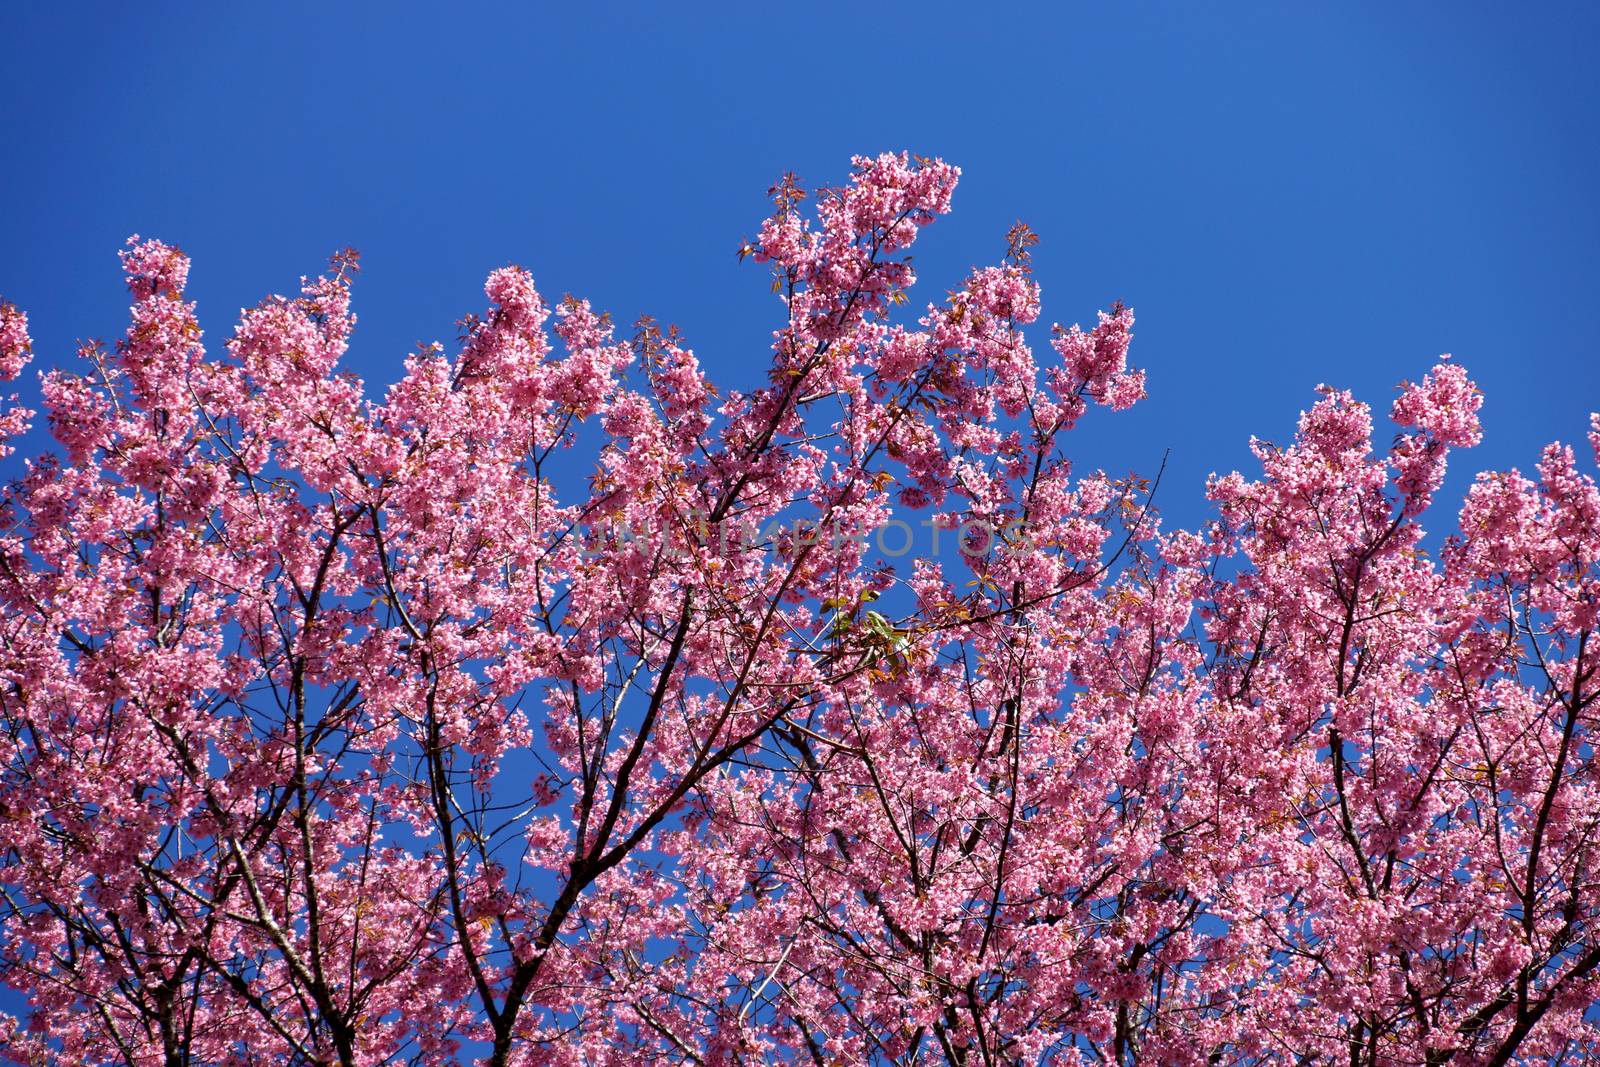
556, 706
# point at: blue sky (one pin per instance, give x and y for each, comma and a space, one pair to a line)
1286, 194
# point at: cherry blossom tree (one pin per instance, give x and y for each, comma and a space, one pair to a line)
557, 708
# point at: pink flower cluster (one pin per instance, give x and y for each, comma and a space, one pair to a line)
347, 730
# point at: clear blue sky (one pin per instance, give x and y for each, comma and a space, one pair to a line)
1287, 194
